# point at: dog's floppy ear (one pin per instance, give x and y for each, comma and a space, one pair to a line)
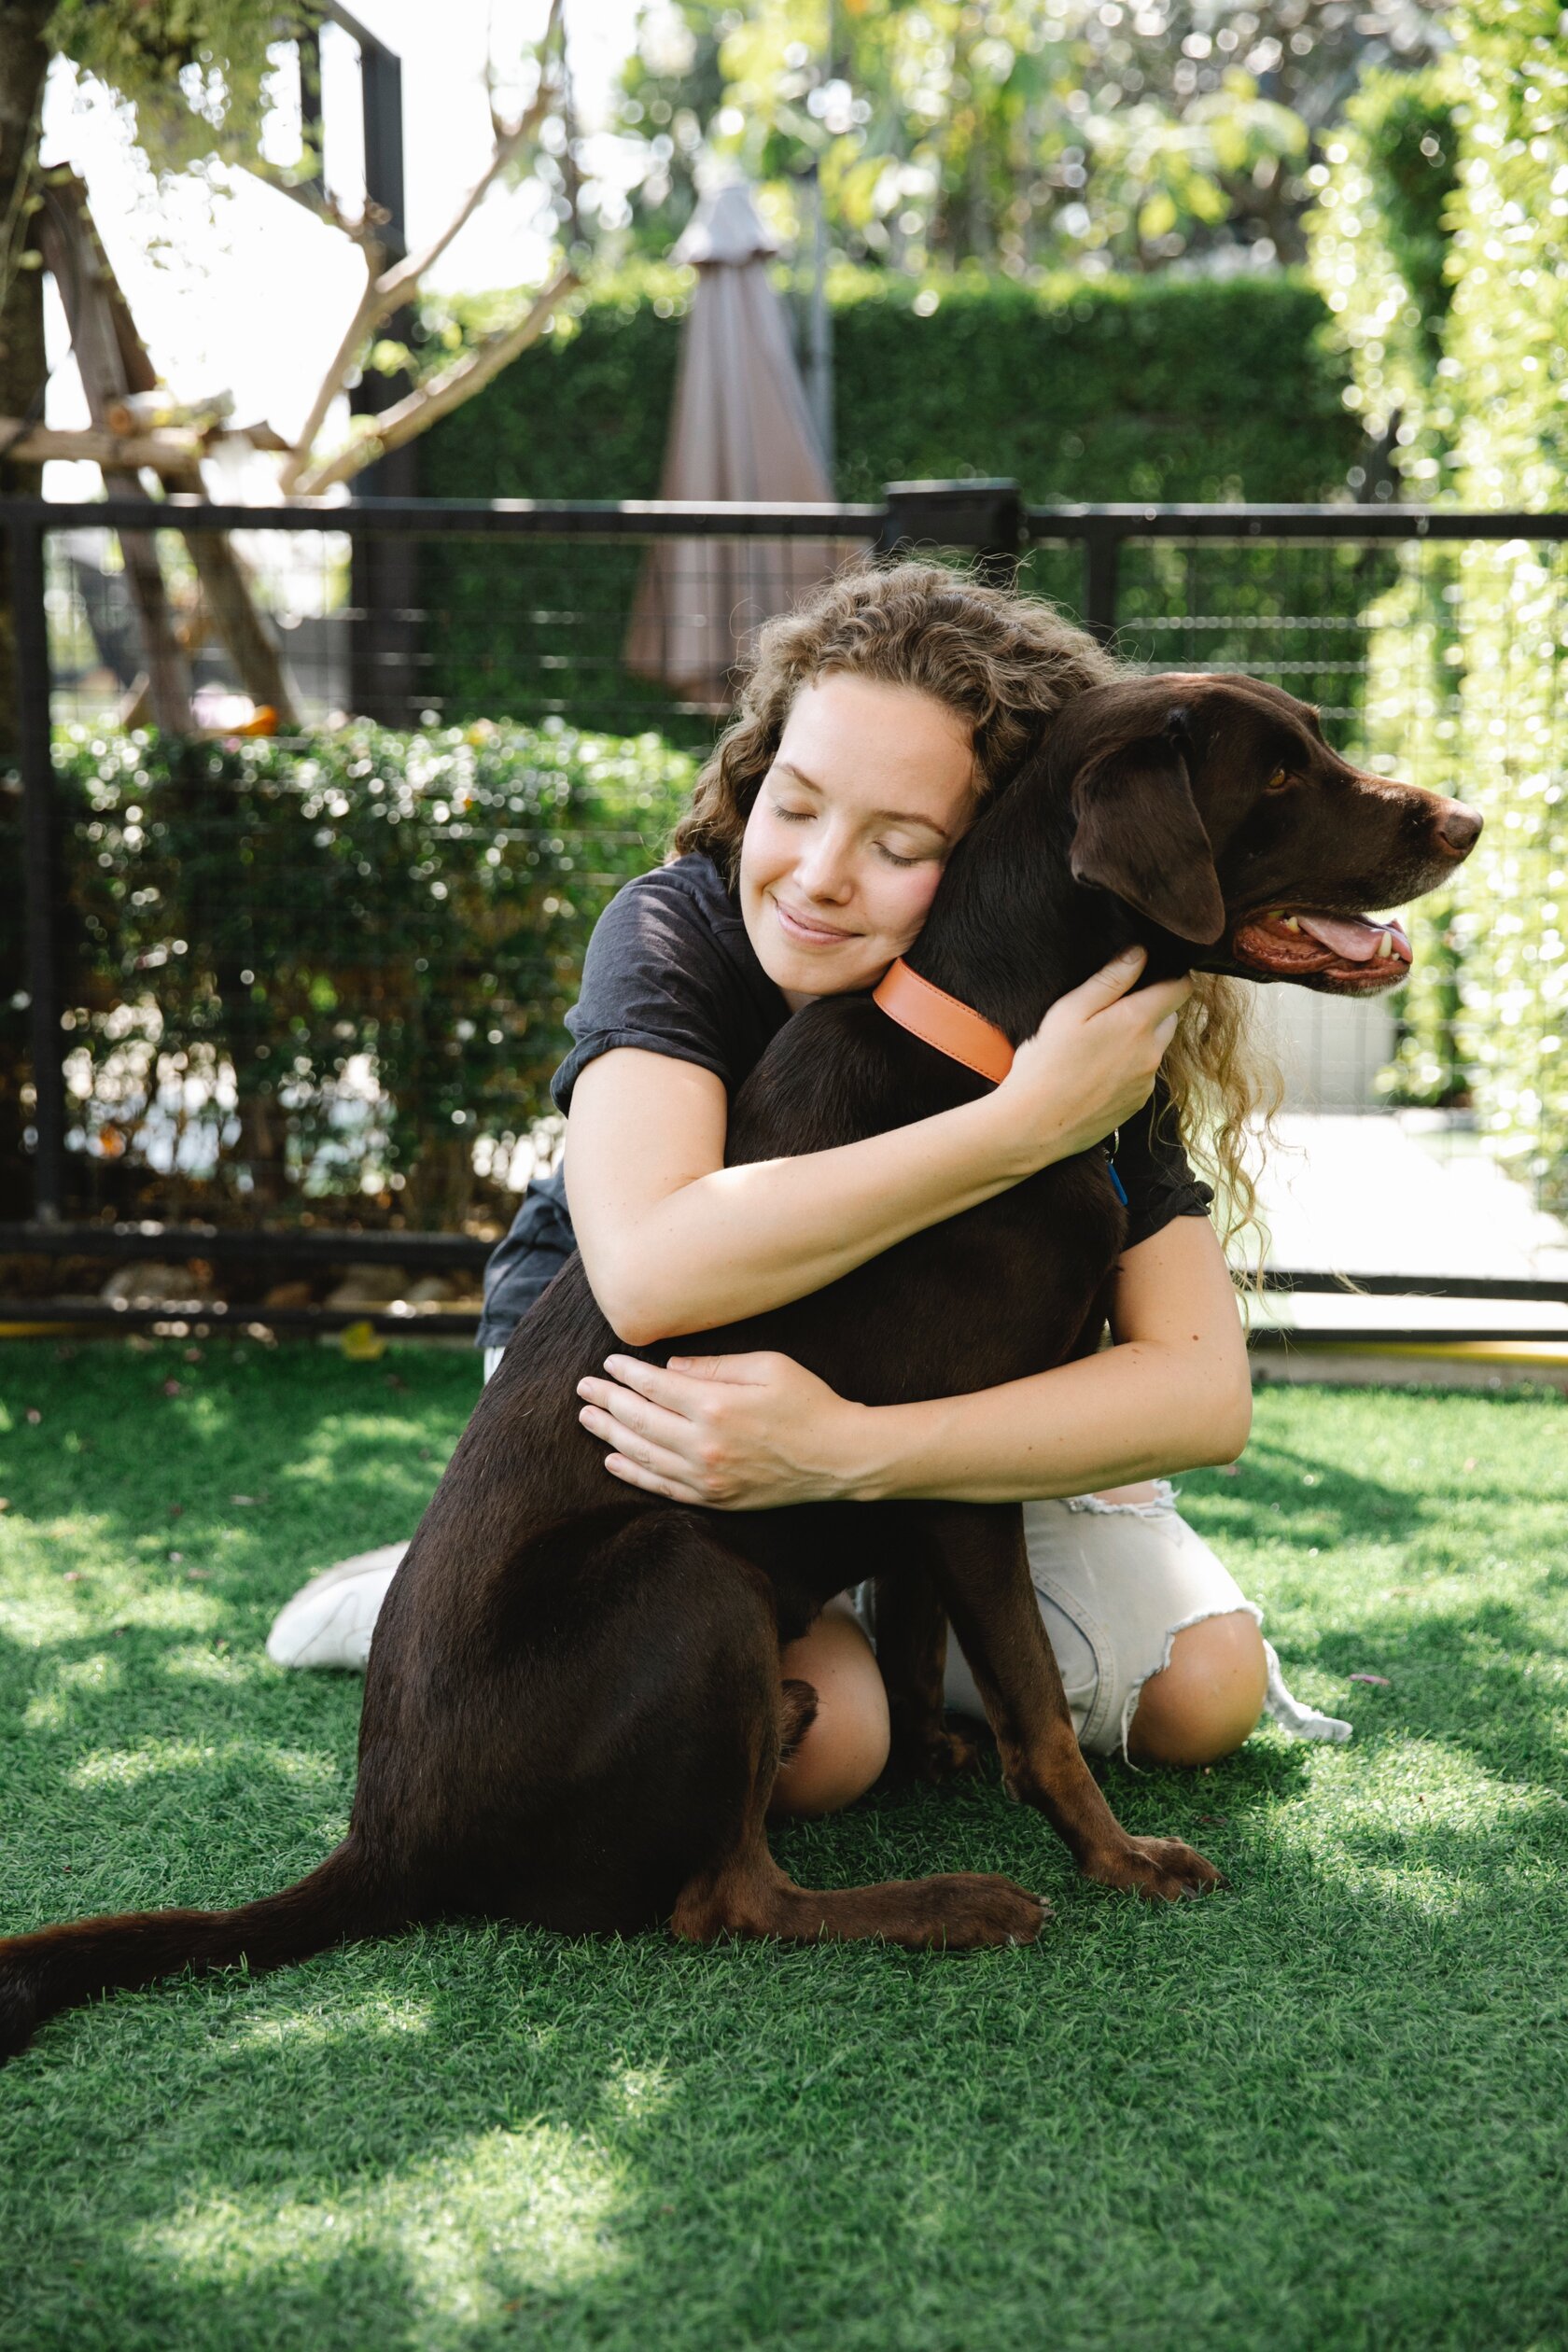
1140, 834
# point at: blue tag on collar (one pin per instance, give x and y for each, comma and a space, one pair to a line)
1121, 1194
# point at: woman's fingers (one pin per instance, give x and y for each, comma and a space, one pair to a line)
628, 1412
635, 1473
1112, 980
639, 1462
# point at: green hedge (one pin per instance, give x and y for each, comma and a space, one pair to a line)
350, 958
1466, 672
1157, 389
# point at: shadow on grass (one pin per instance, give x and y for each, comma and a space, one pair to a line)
1204, 2124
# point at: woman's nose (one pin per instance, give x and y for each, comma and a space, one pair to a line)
824, 868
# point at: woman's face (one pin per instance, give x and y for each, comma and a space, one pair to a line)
870, 788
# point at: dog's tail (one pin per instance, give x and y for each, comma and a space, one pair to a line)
59, 1967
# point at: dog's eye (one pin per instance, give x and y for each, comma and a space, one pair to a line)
1278, 781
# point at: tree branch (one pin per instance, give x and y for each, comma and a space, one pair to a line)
425, 407
166, 451
387, 290
358, 326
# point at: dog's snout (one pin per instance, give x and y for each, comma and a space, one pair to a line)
1459, 828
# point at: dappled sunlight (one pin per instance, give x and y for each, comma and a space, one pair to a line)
345, 2022
1418, 1820
49, 1710
636, 2094
225, 1667
125, 1768
497, 2215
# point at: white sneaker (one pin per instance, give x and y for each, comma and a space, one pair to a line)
1298, 1720
329, 1621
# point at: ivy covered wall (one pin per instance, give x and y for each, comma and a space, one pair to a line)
1470, 661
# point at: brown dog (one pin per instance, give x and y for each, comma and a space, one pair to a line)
573, 1714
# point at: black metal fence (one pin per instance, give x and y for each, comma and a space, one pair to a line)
355, 1001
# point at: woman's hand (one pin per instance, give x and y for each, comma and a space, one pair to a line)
738, 1433
1091, 1063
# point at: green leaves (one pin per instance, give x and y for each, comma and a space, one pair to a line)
313, 967
1441, 246
192, 71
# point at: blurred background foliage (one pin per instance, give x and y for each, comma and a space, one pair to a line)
1021, 136
1118, 388
1138, 249
1450, 296
336, 968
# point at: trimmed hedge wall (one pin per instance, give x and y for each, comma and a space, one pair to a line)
1157, 389
298, 973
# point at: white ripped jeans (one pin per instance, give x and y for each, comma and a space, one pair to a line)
1116, 1582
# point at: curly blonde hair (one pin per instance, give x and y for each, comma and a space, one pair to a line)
1005, 664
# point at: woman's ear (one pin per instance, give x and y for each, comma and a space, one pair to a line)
1140, 837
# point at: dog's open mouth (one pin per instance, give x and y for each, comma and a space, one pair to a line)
1347, 953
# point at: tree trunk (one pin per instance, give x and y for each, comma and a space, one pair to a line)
23, 372
24, 63
114, 362
108, 370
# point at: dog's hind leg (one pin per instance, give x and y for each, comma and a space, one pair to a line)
983, 1577
910, 1651
747, 1894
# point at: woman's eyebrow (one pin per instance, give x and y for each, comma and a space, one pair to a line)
889, 815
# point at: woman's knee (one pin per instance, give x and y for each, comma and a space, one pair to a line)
1204, 1703
846, 1748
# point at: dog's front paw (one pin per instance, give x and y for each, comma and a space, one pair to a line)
1161, 1869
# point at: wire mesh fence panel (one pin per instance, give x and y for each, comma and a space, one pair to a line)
299, 581
320, 973
620, 637
330, 964
333, 970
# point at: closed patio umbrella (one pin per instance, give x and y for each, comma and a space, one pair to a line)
740, 429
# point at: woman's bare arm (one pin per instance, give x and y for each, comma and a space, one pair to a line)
674, 1241
754, 1432
1173, 1392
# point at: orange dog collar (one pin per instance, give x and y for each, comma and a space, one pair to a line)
955, 1029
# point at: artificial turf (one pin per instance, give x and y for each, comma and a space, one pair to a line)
1326, 2106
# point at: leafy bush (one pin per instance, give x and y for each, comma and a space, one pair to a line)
1468, 654
1380, 257
1120, 387
333, 967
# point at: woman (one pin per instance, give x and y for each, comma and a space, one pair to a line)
871, 725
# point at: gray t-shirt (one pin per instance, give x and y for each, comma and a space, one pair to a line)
670, 969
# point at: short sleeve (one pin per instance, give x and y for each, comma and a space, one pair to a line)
660, 973
1155, 1173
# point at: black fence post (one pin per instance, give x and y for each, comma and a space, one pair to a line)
987, 517
40, 823
384, 636
1102, 550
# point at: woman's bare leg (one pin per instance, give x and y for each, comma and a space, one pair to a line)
846, 1747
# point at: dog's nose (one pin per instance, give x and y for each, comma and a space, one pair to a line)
1459, 828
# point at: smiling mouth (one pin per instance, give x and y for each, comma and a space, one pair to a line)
1349, 954
797, 926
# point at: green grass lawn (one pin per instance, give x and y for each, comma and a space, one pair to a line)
1326, 2107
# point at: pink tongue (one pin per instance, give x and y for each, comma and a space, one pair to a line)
1356, 942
